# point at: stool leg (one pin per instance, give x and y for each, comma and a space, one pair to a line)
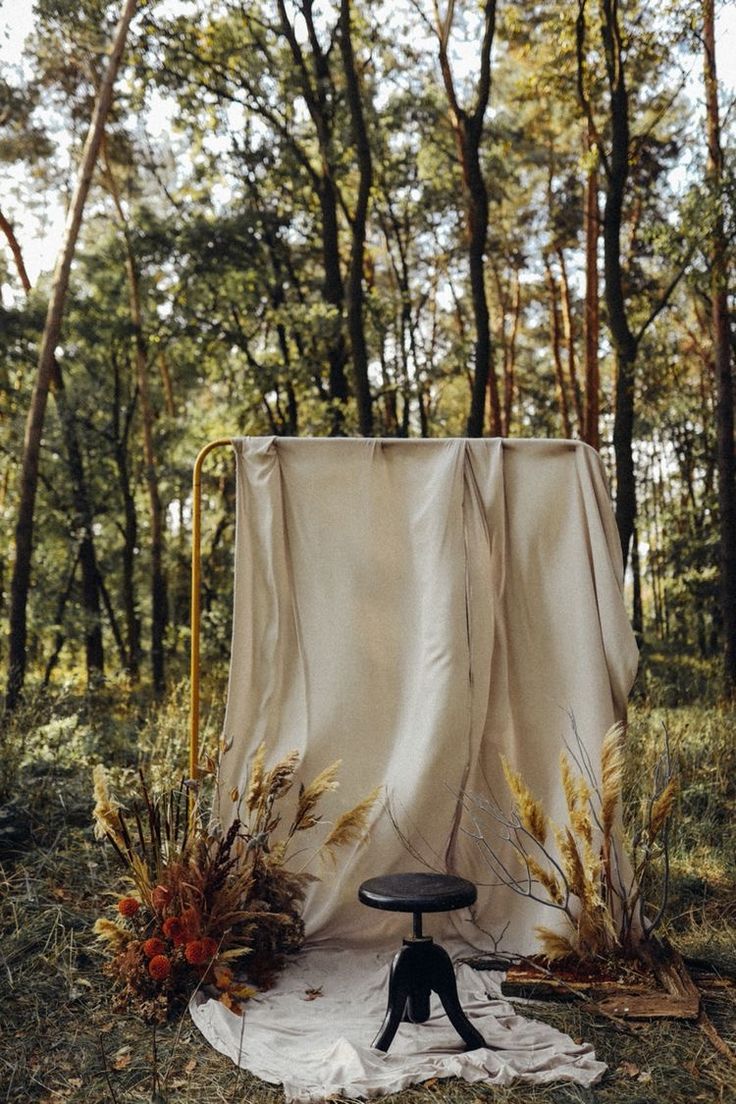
417, 1006
444, 983
399, 990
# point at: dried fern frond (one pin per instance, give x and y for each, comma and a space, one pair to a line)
554, 946
255, 786
351, 826
662, 808
612, 769
547, 879
531, 813
106, 811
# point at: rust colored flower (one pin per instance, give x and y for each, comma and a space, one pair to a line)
195, 953
160, 897
159, 967
153, 947
173, 930
223, 977
128, 906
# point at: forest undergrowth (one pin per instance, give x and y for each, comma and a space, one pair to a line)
60, 1040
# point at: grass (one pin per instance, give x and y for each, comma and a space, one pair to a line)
59, 1040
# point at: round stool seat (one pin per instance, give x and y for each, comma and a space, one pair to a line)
417, 892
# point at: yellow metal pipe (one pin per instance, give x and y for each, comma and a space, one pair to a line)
195, 617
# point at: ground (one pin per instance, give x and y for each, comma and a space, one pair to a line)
60, 1041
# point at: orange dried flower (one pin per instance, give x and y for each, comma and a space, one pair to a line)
128, 906
223, 977
174, 931
159, 967
153, 947
195, 953
160, 897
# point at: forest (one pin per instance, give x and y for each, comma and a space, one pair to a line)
403, 219
396, 220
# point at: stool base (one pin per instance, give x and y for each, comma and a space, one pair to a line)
418, 969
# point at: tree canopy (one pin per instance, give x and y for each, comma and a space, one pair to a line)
418, 218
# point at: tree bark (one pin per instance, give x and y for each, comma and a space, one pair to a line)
121, 434
356, 327
623, 340
721, 327
568, 332
21, 579
591, 419
555, 339
467, 126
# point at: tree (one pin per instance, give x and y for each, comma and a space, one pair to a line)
467, 127
21, 577
721, 337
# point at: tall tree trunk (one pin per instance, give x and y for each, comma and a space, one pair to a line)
356, 327
159, 600
555, 339
467, 126
93, 643
623, 340
21, 578
121, 434
722, 356
17, 252
637, 617
568, 331
591, 420
315, 90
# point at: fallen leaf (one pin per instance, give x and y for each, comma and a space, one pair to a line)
122, 1058
628, 1069
233, 1005
644, 1077
191, 1065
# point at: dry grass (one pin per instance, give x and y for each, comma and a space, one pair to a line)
59, 1041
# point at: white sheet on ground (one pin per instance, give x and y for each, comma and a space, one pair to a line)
321, 1047
418, 608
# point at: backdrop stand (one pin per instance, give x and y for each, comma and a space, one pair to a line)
195, 617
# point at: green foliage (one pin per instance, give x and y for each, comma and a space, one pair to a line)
222, 163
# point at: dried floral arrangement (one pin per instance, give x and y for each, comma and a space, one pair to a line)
578, 868
210, 908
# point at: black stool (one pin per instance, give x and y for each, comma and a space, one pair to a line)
421, 966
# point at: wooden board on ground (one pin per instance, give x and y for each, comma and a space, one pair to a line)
631, 993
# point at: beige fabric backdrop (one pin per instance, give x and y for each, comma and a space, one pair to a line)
416, 608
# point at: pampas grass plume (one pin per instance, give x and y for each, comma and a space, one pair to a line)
531, 813
351, 825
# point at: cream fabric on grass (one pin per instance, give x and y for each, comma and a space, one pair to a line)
320, 1048
417, 608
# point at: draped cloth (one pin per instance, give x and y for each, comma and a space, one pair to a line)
418, 609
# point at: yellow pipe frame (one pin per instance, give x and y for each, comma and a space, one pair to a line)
195, 618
